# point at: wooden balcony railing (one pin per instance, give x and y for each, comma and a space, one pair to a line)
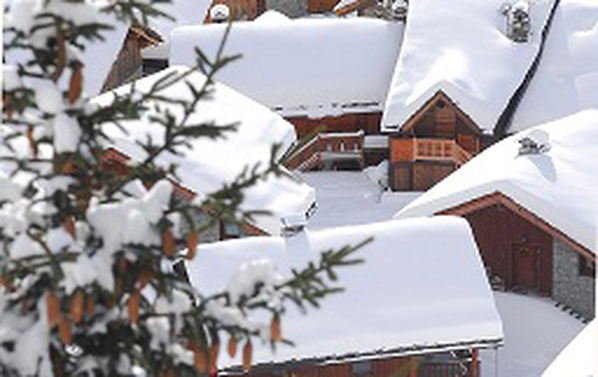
327, 147
429, 150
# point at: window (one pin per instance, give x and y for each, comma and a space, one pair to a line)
362, 367
587, 267
228, 230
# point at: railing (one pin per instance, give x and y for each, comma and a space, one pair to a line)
327, 147
434, 150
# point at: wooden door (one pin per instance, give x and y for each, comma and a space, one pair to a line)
525, 266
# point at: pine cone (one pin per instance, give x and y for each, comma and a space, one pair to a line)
232, 346
133, 306
53, 308
191, 245
77, 306
275, 332
247, 355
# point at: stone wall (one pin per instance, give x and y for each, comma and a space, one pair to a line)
568, 287
290, 8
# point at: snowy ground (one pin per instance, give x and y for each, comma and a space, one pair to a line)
349, 198
535, 333
535, 330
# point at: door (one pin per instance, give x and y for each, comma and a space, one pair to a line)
525, 266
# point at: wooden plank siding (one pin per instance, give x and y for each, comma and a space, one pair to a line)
398, 366
369, 123
321, 6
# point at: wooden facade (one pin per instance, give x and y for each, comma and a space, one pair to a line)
431, 144
368, 123
464, 363
129, 62
516, 245
329, 151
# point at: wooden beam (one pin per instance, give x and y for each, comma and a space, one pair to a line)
475, 366
500, 198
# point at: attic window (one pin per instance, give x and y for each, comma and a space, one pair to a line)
440, 104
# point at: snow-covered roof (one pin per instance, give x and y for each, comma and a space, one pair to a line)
463, 50
567, 77
578, 359
558, 185
422, 287
313, 66
211, 163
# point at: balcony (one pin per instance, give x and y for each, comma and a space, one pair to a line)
428, 150
325, 150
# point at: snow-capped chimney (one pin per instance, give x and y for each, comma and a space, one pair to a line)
219, 13
518, 20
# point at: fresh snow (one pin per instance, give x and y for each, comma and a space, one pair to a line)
422, 285
535, 332
578, 359
463, 50
567, 76
313, 66
558, 185
209, 164
351, 198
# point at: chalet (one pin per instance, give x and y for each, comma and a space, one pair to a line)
531, 202
419, 306
128, 65
209, 164
308, 71
450, 93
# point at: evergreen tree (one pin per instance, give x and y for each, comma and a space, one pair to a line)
80, 296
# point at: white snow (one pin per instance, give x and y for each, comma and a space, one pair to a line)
350, 198
422, 284
579, 357
559, 185
208, 164
463, 50
567, 76
312, 66
535, 332
67, 133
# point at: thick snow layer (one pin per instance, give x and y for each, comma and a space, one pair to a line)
211, 163
315, 66
463, 50
423, 284
567, 76
350, 198
558, 185
579, 357
535, 332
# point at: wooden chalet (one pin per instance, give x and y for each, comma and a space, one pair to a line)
395, 317
128, 65
202, 170
435, 141
533, 214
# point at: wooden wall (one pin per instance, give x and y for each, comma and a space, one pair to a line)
321, 6
503, 237
418, 175
367, 122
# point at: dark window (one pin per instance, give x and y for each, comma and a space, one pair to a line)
361, 368
229, 230
587, 267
